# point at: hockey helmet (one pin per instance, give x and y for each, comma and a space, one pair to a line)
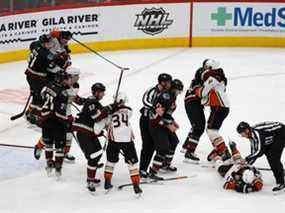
121, 97
66, 35
164, 77
211, 64
177, 84
61, 76
45, 38
204, 62
242, 126
98, 87
73, 71
248, 176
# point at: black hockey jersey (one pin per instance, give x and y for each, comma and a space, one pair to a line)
263, 135
40, 61
92, 112
166, 100
55, 98
195, 83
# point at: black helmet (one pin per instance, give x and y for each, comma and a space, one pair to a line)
177, 84
164, 77
66, 35
242, 126
61, 76
98, 87
44, 38
204, 62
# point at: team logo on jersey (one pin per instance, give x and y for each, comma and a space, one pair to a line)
153, 21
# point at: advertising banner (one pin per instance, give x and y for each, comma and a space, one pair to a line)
238, 19
95, 24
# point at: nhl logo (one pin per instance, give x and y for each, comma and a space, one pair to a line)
153, 21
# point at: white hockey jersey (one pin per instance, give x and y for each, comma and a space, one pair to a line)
120, 130
213, 92
72, 93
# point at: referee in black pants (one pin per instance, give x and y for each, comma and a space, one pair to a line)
266, 138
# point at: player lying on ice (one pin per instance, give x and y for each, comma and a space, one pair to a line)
238, 175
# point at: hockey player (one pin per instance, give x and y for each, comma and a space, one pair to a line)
121, 139
55, 121
175, 90
239, 175
164, 83
92, 112
162, 128
36, 75
60, 41
266, 138
73, 97
42, 64
213, 94
196, 116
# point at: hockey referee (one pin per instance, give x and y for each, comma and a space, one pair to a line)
266, 138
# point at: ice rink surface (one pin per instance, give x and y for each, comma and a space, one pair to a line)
256, 91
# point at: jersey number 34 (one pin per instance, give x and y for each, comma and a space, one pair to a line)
119, 119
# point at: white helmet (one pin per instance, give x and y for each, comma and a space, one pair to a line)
248, 176
73, 71
212, 64
122, 97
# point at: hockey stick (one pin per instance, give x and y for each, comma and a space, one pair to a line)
17, 146
155, 181
265, 169
119, 84
14, 117
20, 146
75, 107
98, 54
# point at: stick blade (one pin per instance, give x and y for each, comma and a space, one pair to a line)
15, 117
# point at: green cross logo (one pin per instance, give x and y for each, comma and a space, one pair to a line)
221, 16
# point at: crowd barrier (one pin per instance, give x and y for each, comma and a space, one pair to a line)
148, 24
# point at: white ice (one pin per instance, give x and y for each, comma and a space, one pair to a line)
256, 90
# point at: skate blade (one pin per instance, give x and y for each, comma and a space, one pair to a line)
58, 177
279, 192
165, 171
91, 193
138, 195
49, 172
189, 161
69, 161
107, 191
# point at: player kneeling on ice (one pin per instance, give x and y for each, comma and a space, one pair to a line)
239, 175
92, 113
120, 140
266, 138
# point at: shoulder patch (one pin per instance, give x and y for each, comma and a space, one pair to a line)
166, 96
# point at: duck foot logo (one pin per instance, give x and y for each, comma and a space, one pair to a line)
153, 21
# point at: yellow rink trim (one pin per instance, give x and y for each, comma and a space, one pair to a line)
238, 42
107, 46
